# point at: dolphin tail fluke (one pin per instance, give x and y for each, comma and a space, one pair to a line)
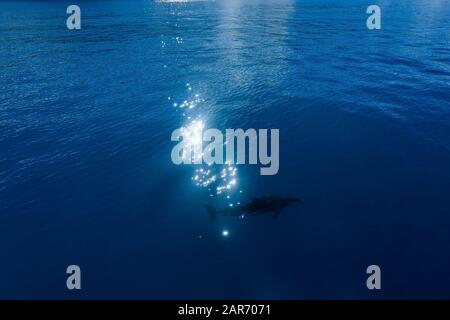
211, 212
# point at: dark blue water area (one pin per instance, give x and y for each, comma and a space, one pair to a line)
86, 176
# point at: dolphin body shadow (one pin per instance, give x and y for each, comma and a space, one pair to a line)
257, 206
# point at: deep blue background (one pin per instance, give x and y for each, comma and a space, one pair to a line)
85, 170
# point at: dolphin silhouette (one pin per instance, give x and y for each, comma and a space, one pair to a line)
272, 204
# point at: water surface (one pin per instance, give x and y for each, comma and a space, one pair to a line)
85, 170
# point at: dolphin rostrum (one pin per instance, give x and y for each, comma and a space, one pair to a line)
272, 204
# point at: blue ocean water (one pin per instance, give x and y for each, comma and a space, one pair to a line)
86, 176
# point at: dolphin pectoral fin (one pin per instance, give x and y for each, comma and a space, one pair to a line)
212, 213
276, 214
